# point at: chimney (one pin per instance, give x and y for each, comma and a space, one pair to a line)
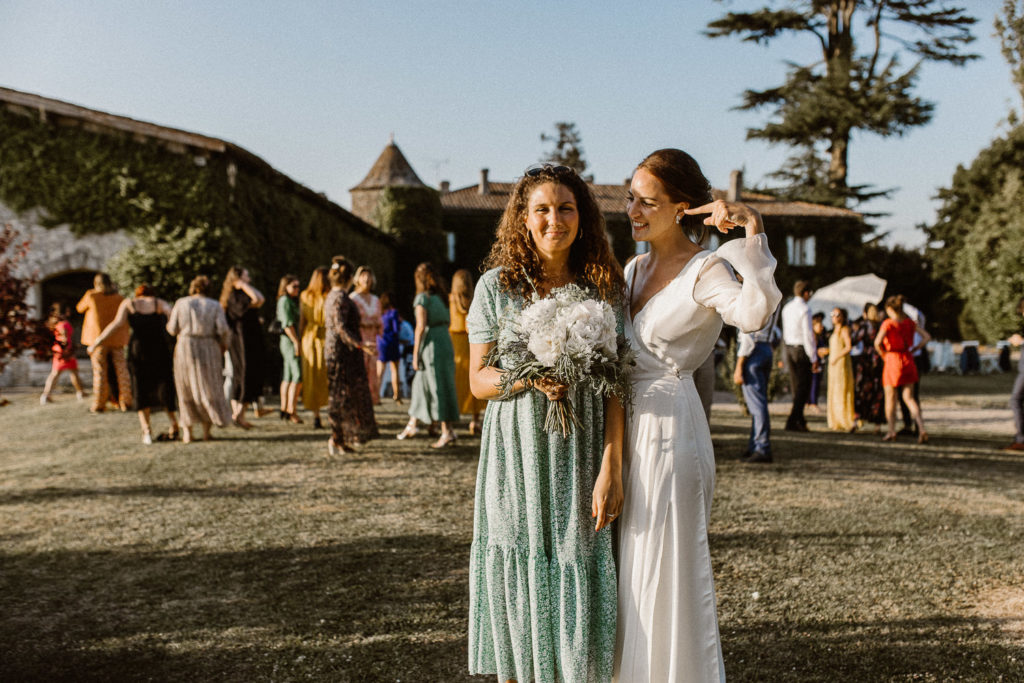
485, 187
445, 186
735, 193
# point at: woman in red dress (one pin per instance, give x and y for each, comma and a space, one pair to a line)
895, 343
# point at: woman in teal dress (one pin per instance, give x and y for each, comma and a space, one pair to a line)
542, 576
432, 396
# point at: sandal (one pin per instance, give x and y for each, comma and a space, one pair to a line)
891, 436
407, 433
295, 419
169, 435
445, 440
922, 438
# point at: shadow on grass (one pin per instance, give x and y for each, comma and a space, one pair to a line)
375, 608
932, 649
48, 494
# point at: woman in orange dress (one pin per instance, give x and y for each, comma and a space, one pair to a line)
895, 343
459, 300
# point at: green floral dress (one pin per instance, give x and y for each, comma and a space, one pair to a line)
542, 596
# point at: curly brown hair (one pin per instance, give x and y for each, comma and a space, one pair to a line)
591, 260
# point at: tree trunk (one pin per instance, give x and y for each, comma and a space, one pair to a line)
837, 162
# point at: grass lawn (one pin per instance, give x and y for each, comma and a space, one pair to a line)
257, 558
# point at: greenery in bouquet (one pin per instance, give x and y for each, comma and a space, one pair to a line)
570, 337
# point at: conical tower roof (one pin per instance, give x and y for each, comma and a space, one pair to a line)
390, 169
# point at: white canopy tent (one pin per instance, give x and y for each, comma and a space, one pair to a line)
851, 293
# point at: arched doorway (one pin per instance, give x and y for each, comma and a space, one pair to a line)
67, 289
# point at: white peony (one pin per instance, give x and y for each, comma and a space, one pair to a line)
591, 328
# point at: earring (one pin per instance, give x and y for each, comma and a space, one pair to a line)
679, 220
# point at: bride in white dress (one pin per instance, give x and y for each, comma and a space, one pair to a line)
679, 296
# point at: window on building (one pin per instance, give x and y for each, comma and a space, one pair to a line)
450, 239
800, 250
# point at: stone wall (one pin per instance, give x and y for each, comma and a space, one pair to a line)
52, 252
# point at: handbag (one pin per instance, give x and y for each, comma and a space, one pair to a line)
275, 326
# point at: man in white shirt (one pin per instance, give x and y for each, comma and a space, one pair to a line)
801, 354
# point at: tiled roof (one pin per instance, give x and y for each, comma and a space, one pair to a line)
612, 200
390, 169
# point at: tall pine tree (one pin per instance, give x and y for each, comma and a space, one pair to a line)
821, 104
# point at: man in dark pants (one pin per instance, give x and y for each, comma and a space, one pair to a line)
753, 370
1017, 397
801, 356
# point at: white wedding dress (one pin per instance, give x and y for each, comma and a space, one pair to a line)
668, 624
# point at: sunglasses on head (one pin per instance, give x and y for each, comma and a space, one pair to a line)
536, 169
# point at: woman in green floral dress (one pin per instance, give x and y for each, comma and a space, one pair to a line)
542, 575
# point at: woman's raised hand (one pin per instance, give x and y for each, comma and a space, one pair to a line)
727, 215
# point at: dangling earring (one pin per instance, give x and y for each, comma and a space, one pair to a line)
679, 220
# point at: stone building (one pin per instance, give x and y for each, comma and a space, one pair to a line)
85, 186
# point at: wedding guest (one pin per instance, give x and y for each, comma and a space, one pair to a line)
349, 407
370, 325
1017, 396
895, 343
821, 336
458, 306
868, 397
63, 353
432, 396
754, 360
679, 295
839, 399
202, 330
246, 353
389, 351
314, 365
801, 352
542, 597
149, 358
923, 365
100, 305
287, 313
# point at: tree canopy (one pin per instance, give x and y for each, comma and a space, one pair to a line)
848, 88
568, 149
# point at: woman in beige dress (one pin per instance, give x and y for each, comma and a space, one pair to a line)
202, 330
459, 300
839, 399
311, 326
370, 322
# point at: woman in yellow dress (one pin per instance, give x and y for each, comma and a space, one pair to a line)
841, 415
311, 324
459, 300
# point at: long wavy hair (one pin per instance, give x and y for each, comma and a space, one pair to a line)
318, 285
282, 286
462, 289
683, 181
591, 260
233, 276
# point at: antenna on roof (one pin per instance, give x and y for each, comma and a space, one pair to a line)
391, 139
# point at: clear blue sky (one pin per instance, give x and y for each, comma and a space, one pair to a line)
316, 87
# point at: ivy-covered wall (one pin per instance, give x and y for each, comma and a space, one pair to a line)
189, 213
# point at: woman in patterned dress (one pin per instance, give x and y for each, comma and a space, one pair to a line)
868, 396
895, 343
542, 576
349, 407
370, 322
311, 324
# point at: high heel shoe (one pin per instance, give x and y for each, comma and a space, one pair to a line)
407, 433
891, 436
445, 440
922, 437
282, 414
295, 419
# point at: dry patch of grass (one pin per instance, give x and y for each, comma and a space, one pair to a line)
257, 558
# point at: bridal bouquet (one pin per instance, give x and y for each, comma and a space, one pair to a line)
568, 337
